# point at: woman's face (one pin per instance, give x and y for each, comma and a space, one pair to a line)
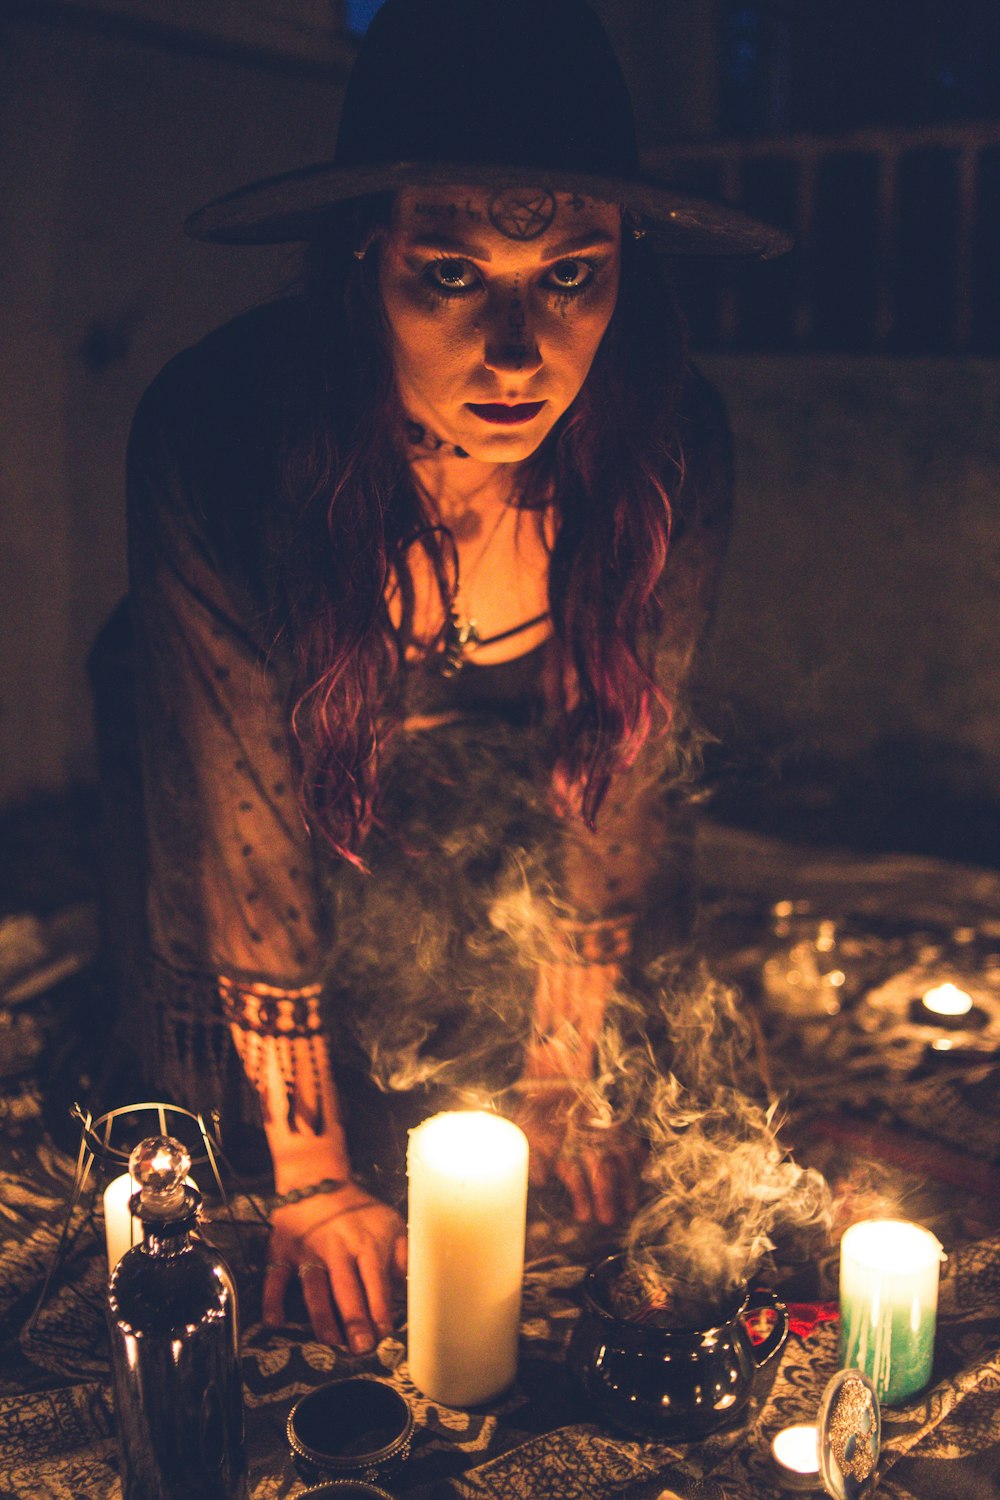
496, 303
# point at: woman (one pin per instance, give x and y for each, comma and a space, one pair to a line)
419, 560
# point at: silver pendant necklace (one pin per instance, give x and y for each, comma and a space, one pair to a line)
461, 637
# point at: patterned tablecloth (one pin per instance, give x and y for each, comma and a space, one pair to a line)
871, 1100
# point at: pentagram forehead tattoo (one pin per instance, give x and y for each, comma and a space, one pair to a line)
522, 215
517, 213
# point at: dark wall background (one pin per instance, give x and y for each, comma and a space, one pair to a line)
855, 673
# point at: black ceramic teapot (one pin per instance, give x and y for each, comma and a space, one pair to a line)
675, 1383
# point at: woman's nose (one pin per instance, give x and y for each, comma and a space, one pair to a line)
510, 344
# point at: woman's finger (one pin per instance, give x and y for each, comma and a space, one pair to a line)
570, 1173
315, 1283
277, 1275
349, 1296
631, 1172
539, 1165
603, 1172
373, 1268
401, 1256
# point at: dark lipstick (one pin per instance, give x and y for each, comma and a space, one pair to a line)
505, 416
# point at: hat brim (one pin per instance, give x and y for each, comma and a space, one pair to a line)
289, 207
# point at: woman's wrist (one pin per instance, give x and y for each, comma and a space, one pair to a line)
278, 1035
570, 1004
300, 1162
322, 1187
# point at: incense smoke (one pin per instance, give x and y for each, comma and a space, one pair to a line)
720, 1184
435, 957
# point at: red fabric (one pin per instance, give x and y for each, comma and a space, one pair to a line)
803, 1317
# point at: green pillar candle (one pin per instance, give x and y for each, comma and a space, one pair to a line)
888, 1304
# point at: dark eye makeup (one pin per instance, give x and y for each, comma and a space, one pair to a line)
451, 278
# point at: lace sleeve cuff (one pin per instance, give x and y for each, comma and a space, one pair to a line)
266, 1019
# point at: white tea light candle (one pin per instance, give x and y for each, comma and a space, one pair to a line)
795, 1452
888, 1304
947, 1000
468, 1194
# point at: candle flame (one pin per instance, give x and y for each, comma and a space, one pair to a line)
797, 1449
948, 1000
470, 1144
892, 1246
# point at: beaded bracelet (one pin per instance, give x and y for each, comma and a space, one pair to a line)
560, 1084
604, 940
311, 1190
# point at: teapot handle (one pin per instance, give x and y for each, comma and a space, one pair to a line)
758, 1299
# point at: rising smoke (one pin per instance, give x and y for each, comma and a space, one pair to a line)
435, 954
719, 1182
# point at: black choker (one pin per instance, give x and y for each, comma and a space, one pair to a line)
418, 436
462, 639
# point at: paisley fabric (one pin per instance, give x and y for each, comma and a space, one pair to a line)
857, 1120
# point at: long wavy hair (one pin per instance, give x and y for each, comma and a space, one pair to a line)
608, 465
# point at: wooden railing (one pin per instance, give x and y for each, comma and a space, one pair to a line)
897, 240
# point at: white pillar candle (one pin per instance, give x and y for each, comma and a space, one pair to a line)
888, 1304
121, 1231
468, 1193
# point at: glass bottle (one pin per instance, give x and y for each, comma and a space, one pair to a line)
175, 1345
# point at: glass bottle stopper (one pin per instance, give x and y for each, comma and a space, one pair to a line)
160, 1165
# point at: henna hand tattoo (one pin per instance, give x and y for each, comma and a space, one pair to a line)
262, 1016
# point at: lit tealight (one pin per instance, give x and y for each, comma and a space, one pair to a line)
795, 1451
948, 1000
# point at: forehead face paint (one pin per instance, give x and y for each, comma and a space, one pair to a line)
521, 215
516, 324
496, 298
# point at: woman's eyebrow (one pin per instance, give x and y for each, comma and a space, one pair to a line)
580, 242
450, 244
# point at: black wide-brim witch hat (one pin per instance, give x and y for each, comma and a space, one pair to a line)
485, 93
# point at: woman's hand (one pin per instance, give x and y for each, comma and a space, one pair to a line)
597, 1163
349, 1252
599, 1166
347, 1248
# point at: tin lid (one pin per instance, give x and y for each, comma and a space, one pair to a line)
347, 1489
358, 1428
850, 1436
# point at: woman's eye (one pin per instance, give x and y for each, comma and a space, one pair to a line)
453, 277
570, 275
